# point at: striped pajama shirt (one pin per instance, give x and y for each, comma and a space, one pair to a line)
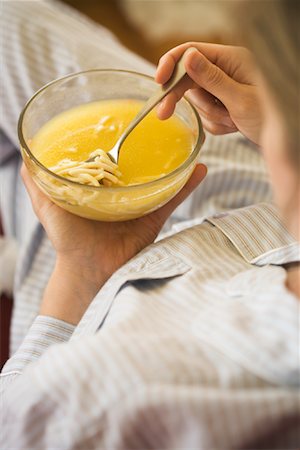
191, 344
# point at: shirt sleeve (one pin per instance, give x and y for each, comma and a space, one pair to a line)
44, 332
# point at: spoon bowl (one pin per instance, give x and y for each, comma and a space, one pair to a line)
178, 73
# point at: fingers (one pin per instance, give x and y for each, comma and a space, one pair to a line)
217, 128
214, 115
165, 68
197, 176
168, 60
211, 82
31, 187
210, 109
167, 106
210, 77
38, 199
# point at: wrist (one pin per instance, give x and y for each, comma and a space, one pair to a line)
70, 290
85, 272
90, 267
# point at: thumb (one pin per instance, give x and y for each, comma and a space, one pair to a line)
197, 176
210, 77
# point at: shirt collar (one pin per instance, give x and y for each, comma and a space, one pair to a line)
258, 234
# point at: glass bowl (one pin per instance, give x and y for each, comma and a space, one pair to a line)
102, 203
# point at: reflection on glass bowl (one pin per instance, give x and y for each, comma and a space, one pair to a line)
93, 202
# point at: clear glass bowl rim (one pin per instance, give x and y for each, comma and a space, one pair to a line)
182, 167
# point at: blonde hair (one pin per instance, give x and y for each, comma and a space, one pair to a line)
270, 28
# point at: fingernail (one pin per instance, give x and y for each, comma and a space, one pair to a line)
160, 105
160, 108
195, 61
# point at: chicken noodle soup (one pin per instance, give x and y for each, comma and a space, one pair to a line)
100, 170
154, 149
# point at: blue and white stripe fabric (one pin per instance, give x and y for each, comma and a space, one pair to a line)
192, 344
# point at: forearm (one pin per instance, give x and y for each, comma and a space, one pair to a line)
69, 292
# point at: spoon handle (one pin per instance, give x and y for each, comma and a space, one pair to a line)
178, 73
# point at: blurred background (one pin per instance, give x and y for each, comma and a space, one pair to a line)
151, 27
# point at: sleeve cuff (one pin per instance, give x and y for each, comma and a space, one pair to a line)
44, 332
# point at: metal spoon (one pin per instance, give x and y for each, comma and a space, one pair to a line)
159, 94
